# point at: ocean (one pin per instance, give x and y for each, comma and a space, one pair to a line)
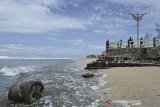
62, 79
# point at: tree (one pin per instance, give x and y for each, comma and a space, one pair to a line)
147, 37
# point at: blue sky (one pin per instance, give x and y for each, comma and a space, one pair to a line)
70, 28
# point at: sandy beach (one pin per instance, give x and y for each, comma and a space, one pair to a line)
135, 83
137, 86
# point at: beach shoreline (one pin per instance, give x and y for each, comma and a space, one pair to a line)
132, 86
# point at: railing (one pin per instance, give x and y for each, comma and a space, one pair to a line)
131, 44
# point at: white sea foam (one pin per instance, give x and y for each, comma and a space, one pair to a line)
95, 87
126, 103
48, 101
16, 70
104, 76
76, 69
95, 103
102, 82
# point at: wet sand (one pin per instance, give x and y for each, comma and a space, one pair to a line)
139, 86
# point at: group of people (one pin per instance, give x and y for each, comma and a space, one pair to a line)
130, 43
141, 43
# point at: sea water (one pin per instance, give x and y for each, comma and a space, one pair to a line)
62, 79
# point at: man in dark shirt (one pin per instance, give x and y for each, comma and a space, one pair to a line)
141, 42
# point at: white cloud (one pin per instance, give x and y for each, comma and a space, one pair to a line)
77, 46
110, 21
34, 16
153, 5
99, 31
134, 2
14, 47
118, 22
77, 42
73, 42
96, 47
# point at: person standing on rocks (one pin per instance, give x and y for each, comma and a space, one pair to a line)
141, 43
120, 43
131, 40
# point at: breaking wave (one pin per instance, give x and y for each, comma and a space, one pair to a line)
16, 70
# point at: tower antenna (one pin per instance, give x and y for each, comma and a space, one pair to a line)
137, 17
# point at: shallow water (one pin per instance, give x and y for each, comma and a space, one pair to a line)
64, 86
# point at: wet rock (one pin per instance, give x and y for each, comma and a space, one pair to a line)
26, 92
87, 75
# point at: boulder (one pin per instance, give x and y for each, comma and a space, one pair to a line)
87, 75
26, 92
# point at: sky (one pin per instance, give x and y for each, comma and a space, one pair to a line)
70, 28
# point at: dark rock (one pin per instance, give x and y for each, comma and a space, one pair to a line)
99, 64
87, 75
26, 92
135, 54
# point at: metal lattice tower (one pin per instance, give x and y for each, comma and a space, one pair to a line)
137, 17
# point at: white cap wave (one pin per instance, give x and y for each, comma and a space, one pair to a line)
16, 70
